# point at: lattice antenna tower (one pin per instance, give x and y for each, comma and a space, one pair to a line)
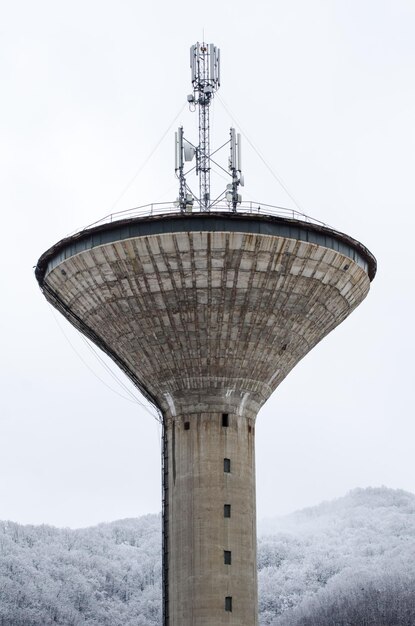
205, 73
205, 67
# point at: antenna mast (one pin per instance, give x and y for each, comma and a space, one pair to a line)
205, 67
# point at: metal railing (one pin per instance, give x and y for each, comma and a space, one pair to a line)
169, 208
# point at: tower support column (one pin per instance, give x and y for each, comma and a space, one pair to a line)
210, 520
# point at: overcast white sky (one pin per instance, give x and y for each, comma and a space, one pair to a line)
325, 90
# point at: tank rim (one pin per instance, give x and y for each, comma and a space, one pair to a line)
188, 218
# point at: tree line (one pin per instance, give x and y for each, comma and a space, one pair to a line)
349, 562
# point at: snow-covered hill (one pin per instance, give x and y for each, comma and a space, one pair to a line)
108, 575
350, 561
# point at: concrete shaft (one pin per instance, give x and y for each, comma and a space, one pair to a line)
207, 323
210, 519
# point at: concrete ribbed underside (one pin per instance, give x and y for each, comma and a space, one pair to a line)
191, 313
208, 323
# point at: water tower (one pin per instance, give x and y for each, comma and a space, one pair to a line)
206, 304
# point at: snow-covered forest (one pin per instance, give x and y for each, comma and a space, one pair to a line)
346, 562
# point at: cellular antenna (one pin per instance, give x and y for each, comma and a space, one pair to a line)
232, 195
205, 72
205, 69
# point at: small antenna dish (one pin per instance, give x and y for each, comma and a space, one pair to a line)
189, 151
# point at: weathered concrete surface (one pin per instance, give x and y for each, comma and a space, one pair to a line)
191, 313
209, 323
198, 531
